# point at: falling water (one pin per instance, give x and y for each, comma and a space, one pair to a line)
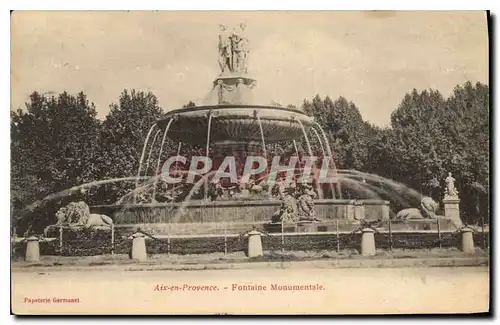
157, 170
142, 155
327, 144
208, 133
69, 191
150, 150
320, 142
361, 187
195, 187
295, 147
398, 187
262, 137
318, 187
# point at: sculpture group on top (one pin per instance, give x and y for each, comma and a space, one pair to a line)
233, 49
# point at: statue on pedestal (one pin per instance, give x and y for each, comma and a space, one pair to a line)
233, 50
450, 191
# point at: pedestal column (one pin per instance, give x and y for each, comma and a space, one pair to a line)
368, 242
32, 249
467, 241
254, 244
452, 210
139, 247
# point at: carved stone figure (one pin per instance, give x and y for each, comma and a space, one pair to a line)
225, 52
288, 210
428, 207
427, 210
77, 214
450, 190
98, 221
409, 214
306, 204
239, 46
233, 49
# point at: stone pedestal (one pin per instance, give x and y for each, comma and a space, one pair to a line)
467, 241
139, 247
254, 244
32, 250
452, 210
367, 242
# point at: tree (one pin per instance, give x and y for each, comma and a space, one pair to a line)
122, 139
53, 147
466, 126
344, 126
189, 104
417, 138
431, 136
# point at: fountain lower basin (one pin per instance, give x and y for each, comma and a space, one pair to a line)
213, 217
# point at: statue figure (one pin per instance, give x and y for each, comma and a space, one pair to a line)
225, 52
287, 212
450, 190
306, 203
239, 47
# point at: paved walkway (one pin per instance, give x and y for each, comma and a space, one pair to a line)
256, 291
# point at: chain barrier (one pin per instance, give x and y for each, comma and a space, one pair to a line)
430, 244
234, 242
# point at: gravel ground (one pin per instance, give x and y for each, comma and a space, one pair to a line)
240, 257
343, 291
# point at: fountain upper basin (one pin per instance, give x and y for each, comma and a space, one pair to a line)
235, 123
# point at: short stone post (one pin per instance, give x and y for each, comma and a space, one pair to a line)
467, 241
32, 249
254, 244
367, 242
139, 247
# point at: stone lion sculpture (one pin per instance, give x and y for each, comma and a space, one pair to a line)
427, 210
77, 214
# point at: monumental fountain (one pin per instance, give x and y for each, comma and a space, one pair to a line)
178, 191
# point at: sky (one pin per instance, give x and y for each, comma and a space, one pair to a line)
371, 58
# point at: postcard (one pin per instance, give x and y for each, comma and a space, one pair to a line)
250, 162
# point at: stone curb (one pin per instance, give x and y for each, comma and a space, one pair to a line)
347, 263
